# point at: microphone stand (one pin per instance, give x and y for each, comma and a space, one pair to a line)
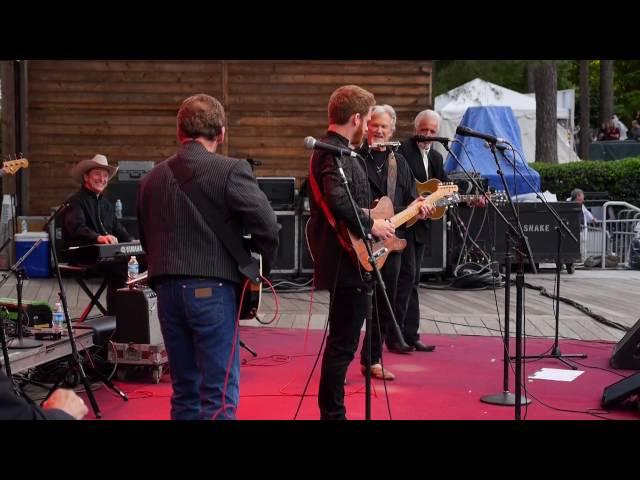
519, 240
369, 286
560, 224
19, 342
77, 361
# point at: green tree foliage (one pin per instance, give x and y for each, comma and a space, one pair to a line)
513, 74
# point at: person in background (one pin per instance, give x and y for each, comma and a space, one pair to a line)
91, 219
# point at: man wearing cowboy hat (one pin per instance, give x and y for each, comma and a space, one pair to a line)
91, 218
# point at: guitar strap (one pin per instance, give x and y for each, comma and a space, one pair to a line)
392, 177
317, 196
184, 176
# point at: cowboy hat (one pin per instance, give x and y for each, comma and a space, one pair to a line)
99, 161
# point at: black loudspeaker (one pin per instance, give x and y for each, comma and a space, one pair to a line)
137, 317
127, 193
626, 353
306, 262
618, 392
125, 185
538, 224
287, 255
434, 258
280, 191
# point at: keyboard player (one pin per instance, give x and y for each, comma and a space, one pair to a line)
91, 219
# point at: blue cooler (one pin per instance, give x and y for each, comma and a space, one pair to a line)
38, 264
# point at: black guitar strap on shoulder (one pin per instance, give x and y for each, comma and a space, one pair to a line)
184, 176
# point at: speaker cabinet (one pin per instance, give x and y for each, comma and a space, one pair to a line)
626, 353
280, 191
617, 393
306, 262
137, 317
538, 224
435, 250
287, 255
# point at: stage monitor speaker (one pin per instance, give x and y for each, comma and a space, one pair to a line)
287, 255
626, 353
618, 392
280, 191
137, 317
306, 262
435, 251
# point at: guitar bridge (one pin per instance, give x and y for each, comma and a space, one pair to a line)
380, 253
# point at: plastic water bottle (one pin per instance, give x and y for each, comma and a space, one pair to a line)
58, 318
134, 268
118, 208
24, 225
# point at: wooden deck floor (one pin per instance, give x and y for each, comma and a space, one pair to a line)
613, 294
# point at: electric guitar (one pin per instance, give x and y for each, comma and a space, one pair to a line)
432, 185
384, 210
12, 166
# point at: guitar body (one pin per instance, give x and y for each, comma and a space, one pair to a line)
252, 294
383, 210
427, 188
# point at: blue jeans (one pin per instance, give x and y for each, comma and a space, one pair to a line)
198, 321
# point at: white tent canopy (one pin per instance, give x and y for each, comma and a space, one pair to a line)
452, 105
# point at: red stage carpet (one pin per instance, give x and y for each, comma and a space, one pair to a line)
445, 384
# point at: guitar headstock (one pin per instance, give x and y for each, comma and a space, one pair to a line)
444, 190
499, 197
12, 166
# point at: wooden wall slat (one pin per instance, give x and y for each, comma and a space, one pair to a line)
126, 110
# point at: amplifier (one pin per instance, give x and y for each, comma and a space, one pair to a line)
137, 317
287, 255
538, 225
280, 191
434, 258
305, 260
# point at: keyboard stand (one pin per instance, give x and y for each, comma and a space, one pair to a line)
78, 272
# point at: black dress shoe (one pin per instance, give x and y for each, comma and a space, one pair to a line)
396, 348
421, 347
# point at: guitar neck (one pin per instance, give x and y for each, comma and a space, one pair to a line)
404, 216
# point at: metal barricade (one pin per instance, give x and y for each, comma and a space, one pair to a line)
613, 235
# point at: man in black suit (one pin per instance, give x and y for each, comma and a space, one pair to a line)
425, 163
63, 404
195, 277
389, 175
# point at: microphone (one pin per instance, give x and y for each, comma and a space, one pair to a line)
385, 144
500, 146
423, 138
467, 132
311, 143
58, 211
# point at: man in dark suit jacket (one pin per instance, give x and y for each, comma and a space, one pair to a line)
425, 163
63, 404
194, 275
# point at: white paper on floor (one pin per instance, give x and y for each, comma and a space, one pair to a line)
557, 374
